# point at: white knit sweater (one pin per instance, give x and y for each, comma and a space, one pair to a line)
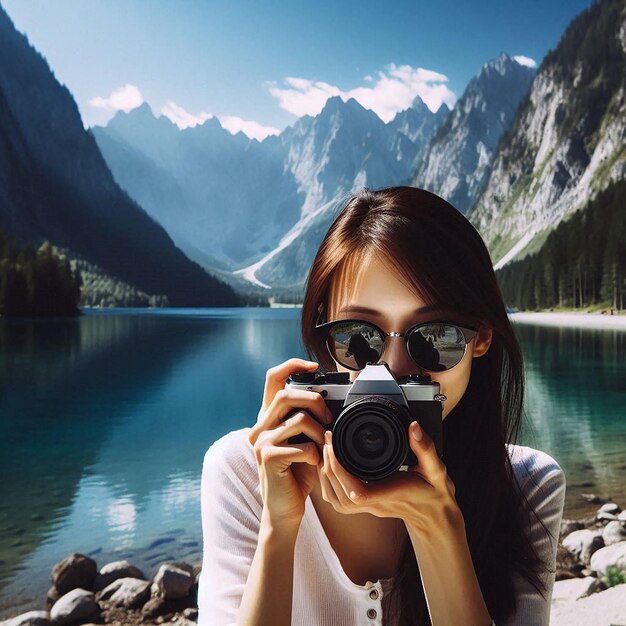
231, 505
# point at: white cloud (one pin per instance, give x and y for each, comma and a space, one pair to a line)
304, 97
124, 98
253, 129
233, 124
393, 90
527, 61
181, 117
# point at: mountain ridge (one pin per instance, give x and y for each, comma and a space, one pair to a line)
567, 141
57, 186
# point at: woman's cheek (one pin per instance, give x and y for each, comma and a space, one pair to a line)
452, 384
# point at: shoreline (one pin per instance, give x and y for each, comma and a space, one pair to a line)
570, 319
574, 571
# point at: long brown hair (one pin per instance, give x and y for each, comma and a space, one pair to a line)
442, 257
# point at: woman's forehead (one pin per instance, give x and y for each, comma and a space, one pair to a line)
370, 282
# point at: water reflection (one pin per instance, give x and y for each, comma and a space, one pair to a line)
575, 406
65, 386
104, 434
105, 421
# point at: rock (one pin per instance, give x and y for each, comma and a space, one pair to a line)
605, 516
608, 511
129, 593
52, 596
184, 566
197, 570
158, 607
191, 613
154, 607
599, 609
593, 498
75, 605
575, 588
74, 571
583, 543
569, 526
113, 571
32, 618
564, 574
610, 507
610, 556
173, 580
613, 532
180, 621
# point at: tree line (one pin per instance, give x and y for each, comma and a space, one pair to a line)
35, 282
581, 264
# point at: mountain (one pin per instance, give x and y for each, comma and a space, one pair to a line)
458, 161
581, 264
568, 139
224, 198
451, 140
419, 124
257, 196
343, 148
55, 185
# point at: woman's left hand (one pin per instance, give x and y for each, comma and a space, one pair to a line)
421, 495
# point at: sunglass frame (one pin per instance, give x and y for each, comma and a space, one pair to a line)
323, 330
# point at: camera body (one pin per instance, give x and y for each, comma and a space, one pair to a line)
371, 417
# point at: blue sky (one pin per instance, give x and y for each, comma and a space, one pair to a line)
259, 65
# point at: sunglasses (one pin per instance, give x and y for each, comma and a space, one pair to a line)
435, 346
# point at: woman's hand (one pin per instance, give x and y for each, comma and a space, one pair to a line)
287, 472
421, 495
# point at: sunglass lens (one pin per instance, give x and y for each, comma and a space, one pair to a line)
436, 347
355, 344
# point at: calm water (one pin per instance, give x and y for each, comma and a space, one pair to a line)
105, 420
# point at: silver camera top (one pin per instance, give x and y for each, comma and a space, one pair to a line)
374, 379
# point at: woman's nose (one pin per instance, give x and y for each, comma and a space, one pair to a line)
395, 354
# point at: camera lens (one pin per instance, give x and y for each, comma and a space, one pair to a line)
370, 437
370, 440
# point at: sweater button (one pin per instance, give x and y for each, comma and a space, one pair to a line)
374, 594
371, 613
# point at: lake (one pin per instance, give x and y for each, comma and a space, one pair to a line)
105, 420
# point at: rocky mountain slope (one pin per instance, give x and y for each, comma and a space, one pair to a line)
568, 140
458, 161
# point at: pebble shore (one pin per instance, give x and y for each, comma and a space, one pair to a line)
591, 569
118, 594
589, 588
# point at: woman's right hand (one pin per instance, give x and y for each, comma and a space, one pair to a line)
288, 472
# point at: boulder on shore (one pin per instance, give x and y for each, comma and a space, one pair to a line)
173, 580
113, 571
125, 592
32, 618
583, 543
610, 556
74, 571
74, 606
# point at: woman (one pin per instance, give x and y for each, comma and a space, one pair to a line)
290, 537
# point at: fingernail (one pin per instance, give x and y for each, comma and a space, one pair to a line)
328, 437
416, 431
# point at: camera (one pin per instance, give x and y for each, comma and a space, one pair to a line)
371, 417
